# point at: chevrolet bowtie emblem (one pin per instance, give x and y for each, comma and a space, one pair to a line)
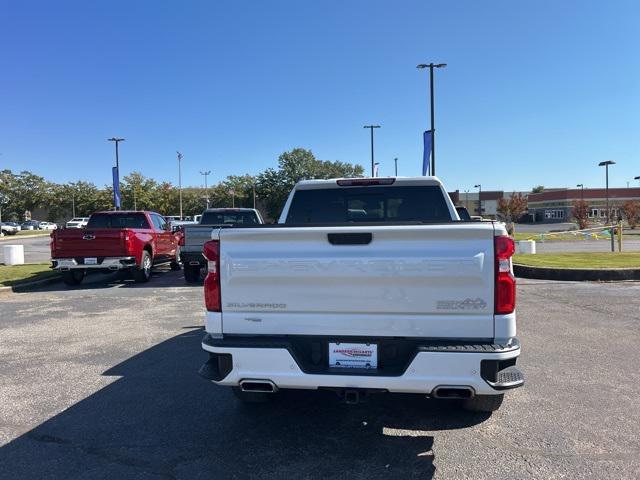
89, 236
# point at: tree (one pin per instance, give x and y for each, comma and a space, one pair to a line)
511, 210
581, 213
537, 189
137, 192
273, 186
631, 212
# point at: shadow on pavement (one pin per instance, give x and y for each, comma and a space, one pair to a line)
161, 277
161, 420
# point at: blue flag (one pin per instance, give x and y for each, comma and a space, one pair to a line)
426, 155
116, 187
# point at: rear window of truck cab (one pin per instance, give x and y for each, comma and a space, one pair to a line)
118, 220
422, 203
229, 218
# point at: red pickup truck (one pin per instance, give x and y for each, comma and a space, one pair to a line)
113, 241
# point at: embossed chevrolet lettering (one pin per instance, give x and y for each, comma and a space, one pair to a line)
256, 305
466, 304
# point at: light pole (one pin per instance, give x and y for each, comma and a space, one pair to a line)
479, 187
431, 66
581, 191
637, 178
606, 168
117, 141
371, 127
206, 192
395, 160
376, 169
180, 180
73, 204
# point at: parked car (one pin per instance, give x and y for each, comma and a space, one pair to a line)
115, 240
77, 222
405, 298
195, 235
47, 226
9, 228
30, 225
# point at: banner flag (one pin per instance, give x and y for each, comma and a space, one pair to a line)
426, 154
116, 188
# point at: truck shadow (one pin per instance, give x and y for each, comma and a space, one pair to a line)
158, 419
161, 277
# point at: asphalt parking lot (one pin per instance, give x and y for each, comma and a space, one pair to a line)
100, 382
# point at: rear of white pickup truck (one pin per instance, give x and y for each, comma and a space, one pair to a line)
365, 285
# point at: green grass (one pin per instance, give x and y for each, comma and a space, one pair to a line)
581, 260
15, 274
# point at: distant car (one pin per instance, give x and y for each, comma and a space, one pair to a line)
77, 222
47, 226
30, 225
9, 228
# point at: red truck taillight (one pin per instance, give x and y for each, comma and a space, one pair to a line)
505, 301
212, 281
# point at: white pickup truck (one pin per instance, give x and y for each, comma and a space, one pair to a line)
365, 285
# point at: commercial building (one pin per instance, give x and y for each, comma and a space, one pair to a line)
556, 205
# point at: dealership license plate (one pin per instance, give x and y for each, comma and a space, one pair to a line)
353, 355
91, 261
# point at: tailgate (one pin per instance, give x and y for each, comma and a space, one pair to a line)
409, 281
195, 236
72, 243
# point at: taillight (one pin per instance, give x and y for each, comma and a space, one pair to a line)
127, 239
212, 281
505, 301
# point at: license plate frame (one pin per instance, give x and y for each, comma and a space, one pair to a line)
353, 355
91, 261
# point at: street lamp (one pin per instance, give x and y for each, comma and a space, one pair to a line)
396, 162
376, 169
371, 127
637, 178
180, 156
117, 141
431, 66
581, 191
206, 192
606, 167
479, 187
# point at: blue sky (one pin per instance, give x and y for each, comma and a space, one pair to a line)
534, 92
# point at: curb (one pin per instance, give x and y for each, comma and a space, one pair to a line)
576, 274
28, 285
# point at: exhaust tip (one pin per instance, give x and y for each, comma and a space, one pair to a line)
453, 391
258, 386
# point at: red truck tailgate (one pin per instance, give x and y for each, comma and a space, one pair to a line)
71, 243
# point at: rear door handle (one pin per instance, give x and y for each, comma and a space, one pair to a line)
350, 238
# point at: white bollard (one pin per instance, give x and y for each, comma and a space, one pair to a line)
13, 254
526, 246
